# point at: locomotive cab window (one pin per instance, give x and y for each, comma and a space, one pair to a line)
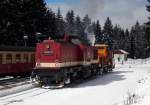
76, 41
8, 58
1, 59
101, 48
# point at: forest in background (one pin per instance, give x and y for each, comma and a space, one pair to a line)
21, 21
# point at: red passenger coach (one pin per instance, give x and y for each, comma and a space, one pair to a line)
64, 60
16, 61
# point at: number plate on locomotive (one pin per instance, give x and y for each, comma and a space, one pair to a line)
48, 52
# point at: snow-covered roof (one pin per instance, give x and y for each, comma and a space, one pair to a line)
121, 52
101, 45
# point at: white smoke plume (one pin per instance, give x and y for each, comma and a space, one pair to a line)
92, 7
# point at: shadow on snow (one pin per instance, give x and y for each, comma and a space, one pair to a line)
100, 80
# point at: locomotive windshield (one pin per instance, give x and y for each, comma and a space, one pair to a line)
76, 41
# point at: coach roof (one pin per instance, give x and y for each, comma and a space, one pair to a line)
16, 48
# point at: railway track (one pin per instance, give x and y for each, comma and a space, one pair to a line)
36, 91
13, 82
5, 78
15, 85
26, 88
23, 95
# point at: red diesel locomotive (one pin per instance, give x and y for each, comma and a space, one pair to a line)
60, 62
105, 57
16, 61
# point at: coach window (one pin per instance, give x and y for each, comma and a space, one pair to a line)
18, 58
25, 58
32, 58
8, 58
1, 59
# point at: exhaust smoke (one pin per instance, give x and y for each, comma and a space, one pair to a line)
92, 7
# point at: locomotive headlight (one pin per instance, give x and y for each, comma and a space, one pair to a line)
48, 46
38, 63
56, 62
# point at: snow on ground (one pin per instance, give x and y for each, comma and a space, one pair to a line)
110, 89
145, 92
142, 93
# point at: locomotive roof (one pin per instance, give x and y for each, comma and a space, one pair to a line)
16, 48
68, 39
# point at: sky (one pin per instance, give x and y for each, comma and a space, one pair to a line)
122, 12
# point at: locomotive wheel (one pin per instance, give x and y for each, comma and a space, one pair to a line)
67, 80
15, 76
61, 84
110, 69
23, 76
105, 70
101, 72
94, 72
